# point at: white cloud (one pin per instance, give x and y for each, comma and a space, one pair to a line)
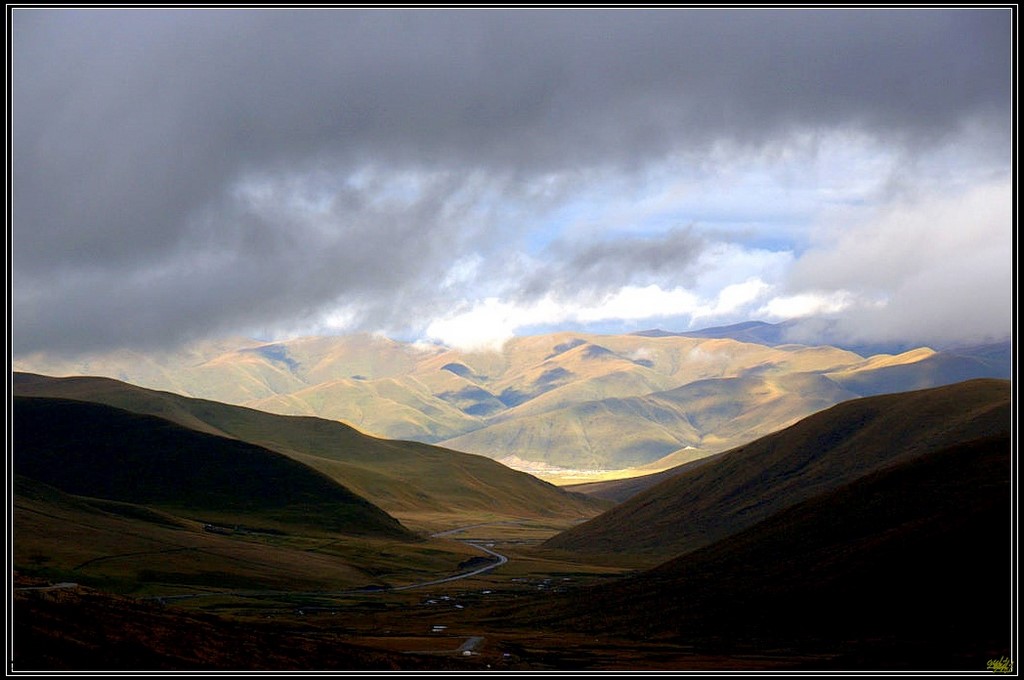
735, 297
723, 265
641, 354
807, 304
484, 327
487, 325
632, 302
942, 262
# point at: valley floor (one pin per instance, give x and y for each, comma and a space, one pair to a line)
445, 624
478, 622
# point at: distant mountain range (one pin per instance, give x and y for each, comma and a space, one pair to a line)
817, 331
551, 404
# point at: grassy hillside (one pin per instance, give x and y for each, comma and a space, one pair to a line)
610, 433
99, 451
405, 478
619, 490
400, 408
706, 416
865, 576
939, 368
143, 550
818, 454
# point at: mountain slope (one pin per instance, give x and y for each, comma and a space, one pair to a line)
940, 368
134, 548
707, 416
100, 451
759, 332
802, 331
400, 408
818, 454
619, 490
859, 577
401, 477
817, 331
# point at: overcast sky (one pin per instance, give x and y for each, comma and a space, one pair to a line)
466, 176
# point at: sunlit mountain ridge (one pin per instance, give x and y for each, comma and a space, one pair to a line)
567, 406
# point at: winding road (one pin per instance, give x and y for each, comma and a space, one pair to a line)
363, 591
487, 567
55, 586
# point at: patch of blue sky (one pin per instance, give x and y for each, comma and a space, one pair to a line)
760, 203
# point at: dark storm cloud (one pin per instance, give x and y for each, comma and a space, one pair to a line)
242, 263
135, 131
600, 267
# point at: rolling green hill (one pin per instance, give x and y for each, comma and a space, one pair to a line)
144, 550
99, 451
408, 479
820, 453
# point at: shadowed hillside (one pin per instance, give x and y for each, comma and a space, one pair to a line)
818, 454
937, 369
99, 451
905, 568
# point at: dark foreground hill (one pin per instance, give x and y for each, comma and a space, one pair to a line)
819, 454
98, 451
908, 567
